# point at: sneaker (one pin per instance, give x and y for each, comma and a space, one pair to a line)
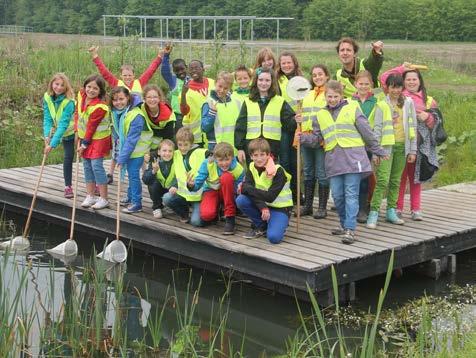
417, 215
349, 237
133, 208
184, 219
125, 201
68, 192
157, 213
89, 201
338, 231
372, 220
101, 203
110, 179
255, 233
229, 226
393, 218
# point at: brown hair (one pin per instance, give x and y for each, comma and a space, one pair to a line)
100, 83
262, 55
227, 77
184, 134
297, 70
166, 142
348, 40
273, 90
155, 88
335, 86
127, 68
68, 89
363, 74
243, 68
223, 150
323, 68
119, 89
259, 145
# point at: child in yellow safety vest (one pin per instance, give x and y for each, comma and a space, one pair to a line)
345, 131
313, 153
58, 124
394, 124
187, 160
242, 76
265, 195
220, 112
160, 175
219, 176
134, 142
93, 124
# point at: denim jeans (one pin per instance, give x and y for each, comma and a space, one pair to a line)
134, 191
345, 192
180, 206
314, 168
68, 148
276, 225
94, 171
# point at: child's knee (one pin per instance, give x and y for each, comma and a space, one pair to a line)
227, 178
241, 201
167, 198
275, 237
207, 214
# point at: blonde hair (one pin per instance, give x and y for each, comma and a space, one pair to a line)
259, 145
155, 88
364, 74
262, 55
226, 77
127, 68
335, 86
166, 142
68, 89
223, 150
184, 134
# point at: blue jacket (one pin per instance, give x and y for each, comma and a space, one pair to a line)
168, 76
63, 122
134, 133
202, 175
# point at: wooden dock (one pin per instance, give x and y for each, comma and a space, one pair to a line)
300, 260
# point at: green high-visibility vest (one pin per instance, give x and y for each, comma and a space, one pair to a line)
192, 119
283, 84
155, 141
270, 125
285, 198
342, 132
56, 113
136, 87
225, 120
145, 139
349, 88
166, 182
195, 160
310, 106
103, 130
213, 180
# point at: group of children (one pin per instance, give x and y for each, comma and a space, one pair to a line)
227, 145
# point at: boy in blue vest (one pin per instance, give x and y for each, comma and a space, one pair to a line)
266, 196
219, 176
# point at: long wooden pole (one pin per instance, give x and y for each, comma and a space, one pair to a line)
75, 196
298, 184
118, 206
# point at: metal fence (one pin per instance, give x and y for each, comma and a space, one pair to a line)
14, 29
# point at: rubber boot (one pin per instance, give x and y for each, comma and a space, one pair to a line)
321, 212
309, 186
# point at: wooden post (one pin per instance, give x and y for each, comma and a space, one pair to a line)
298, 179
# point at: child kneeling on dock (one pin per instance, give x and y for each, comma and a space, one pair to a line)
187, 161
219, 176
160, 175
266, 196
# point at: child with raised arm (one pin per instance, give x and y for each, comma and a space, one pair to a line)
58, 113
220, 112
265, 196
219, 175
93, 124
187, 160
194, 95
345, 131
127, 78
160, 175
394, 126
175, 82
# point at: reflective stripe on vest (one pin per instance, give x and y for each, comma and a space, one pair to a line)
225, 121
388, 134
103, 130
155, 141
166, 182
143, 144
57, 113
270, 126
192, 119
429, 102
283, 84
136, 87
285, 198
213, 180
195, 160
310, 106
342, 132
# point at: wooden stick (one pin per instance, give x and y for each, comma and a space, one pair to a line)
75, 195
298, 184
118, 206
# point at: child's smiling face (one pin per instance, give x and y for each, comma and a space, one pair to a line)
221, 88
92, 90
243, 79
184, 146
224, 163
166, 152
319, 77
58, 87
120, 101
260, 158
127, 76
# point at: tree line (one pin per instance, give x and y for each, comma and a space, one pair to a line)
425, 20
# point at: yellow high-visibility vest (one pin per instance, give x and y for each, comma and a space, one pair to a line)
145, 139
155, 141
270, 125
195, 160
213, 180
285, 198
166, 182
225, 120
310, 105
136, 87
56, 113
283, 84
103, 130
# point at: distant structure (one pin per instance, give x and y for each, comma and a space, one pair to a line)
14, 29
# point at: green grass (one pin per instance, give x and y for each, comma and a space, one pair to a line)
26, 65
